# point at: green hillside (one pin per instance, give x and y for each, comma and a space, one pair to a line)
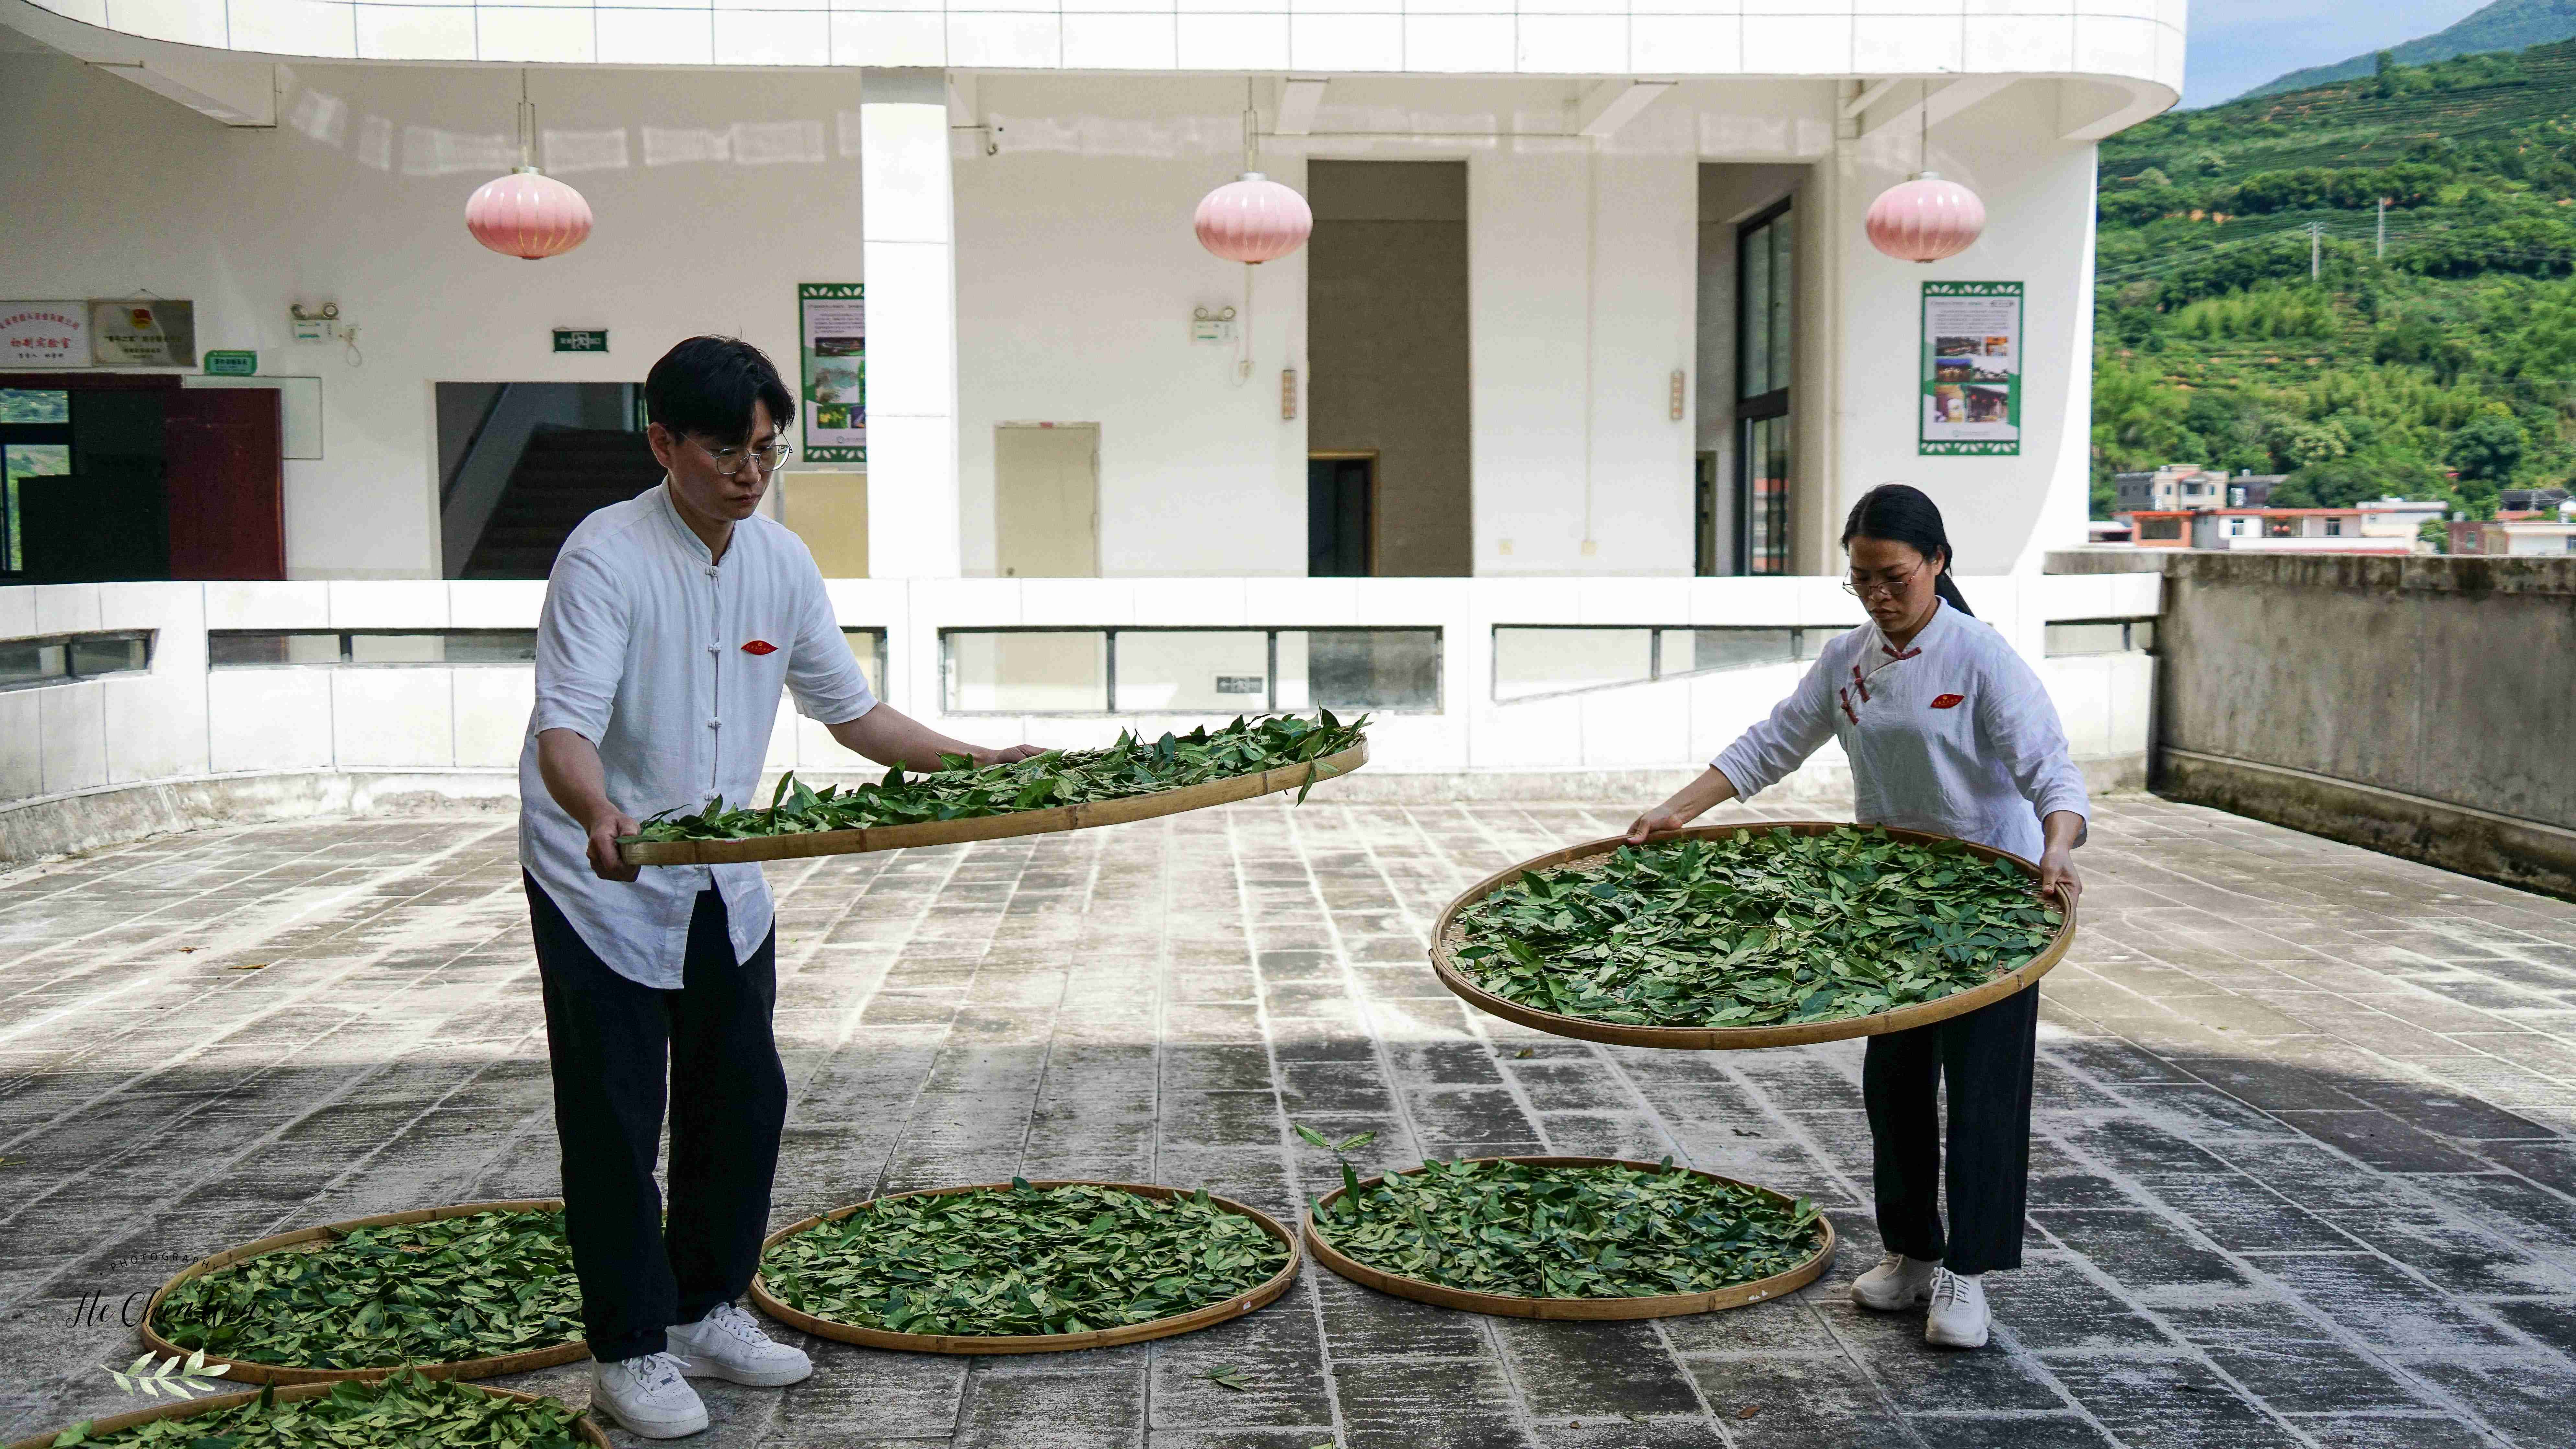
2504, 25
2451, 349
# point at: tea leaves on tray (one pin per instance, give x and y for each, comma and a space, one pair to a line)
965, 791
419, 1293
405, 1411
1609, 1231
1753, 929
1021, 1260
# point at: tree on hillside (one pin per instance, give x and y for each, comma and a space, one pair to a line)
2490, 447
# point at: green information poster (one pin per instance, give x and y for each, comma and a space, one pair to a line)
1971, 369
833, 318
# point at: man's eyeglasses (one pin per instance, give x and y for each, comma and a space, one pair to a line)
1864, 589
730, 461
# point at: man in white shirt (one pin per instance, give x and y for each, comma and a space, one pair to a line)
672, 622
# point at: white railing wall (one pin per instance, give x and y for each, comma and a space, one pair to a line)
454, 731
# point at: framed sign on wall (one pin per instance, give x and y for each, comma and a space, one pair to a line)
44, 334
1971, 370
832, 321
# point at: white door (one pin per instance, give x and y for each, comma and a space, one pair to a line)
1046, 500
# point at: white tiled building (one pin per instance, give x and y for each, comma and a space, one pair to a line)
1559, 313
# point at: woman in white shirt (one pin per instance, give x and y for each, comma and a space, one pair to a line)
1948, 731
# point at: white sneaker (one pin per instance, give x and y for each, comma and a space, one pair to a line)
1958, 1318
648, 1395
1897, 1283
728, 1344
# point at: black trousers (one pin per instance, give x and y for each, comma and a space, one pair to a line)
613, 1045
1986, 1057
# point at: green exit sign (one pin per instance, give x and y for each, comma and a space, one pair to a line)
232, 364
576, 339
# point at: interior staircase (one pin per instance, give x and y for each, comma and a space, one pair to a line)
565, 475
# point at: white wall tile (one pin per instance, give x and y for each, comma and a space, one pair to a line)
1686, 44
782, 740
187, 22
2020, 43
1005, 41
155, 726
1233, 42
1459, 44
1346, 42
22, 744
495, 603
1071, 603
392, 718
1797, 44
1572, 44
1900, 44
66, 608
87, 12
773, 37
389, 604
71, 731
268, 719
890, 38
269, 605
1121, 42
177, 609
295, 27
1214, 603
519, 33
1641, 725
1300, 602
2115, 45
659, 36
416, 32
493, 703
17, 613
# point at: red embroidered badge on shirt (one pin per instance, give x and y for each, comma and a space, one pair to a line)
760, 646
1949, 701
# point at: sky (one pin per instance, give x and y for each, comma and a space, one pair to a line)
2239, 44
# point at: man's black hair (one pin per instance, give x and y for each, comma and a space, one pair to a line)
704, 388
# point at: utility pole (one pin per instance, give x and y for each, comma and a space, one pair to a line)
2316, 248
2383, 229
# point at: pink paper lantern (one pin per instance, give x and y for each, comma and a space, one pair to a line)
528, 214
1925, 219
1254, 219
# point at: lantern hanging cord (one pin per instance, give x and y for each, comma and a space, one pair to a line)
1243, 334
527, 125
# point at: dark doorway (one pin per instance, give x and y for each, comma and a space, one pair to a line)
1341, 515
522, 463
126, 477
1386, 324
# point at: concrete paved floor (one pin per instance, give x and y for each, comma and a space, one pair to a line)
2303, 1170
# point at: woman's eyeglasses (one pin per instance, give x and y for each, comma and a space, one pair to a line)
1865, 589
730, 461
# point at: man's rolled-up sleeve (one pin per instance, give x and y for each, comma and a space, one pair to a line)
581, 647
822, 672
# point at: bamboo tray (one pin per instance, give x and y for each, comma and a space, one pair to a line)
1197, 1318
1738, 1038
583, 1429
993, 827
251, 1371
1668, 1305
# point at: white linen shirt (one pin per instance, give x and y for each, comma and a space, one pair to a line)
671, 663
1954, 734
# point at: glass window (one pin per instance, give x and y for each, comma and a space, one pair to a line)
1782, 234
1698, 651
1193, 671
870, 647
1539, 661
27, 661
1368, 669
110, 654
1020, 671
66, 658
2100, 636
1766, 463
1754, 376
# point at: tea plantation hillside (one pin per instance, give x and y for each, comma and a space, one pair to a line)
2447, 348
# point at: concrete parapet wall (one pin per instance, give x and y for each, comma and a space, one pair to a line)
2416, 705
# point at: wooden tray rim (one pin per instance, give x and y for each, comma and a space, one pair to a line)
252, 1371
1259, 1296
1741, 1038
996, 827
1666, 1305
582, 1427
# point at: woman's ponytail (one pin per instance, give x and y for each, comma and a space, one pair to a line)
1900, 514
